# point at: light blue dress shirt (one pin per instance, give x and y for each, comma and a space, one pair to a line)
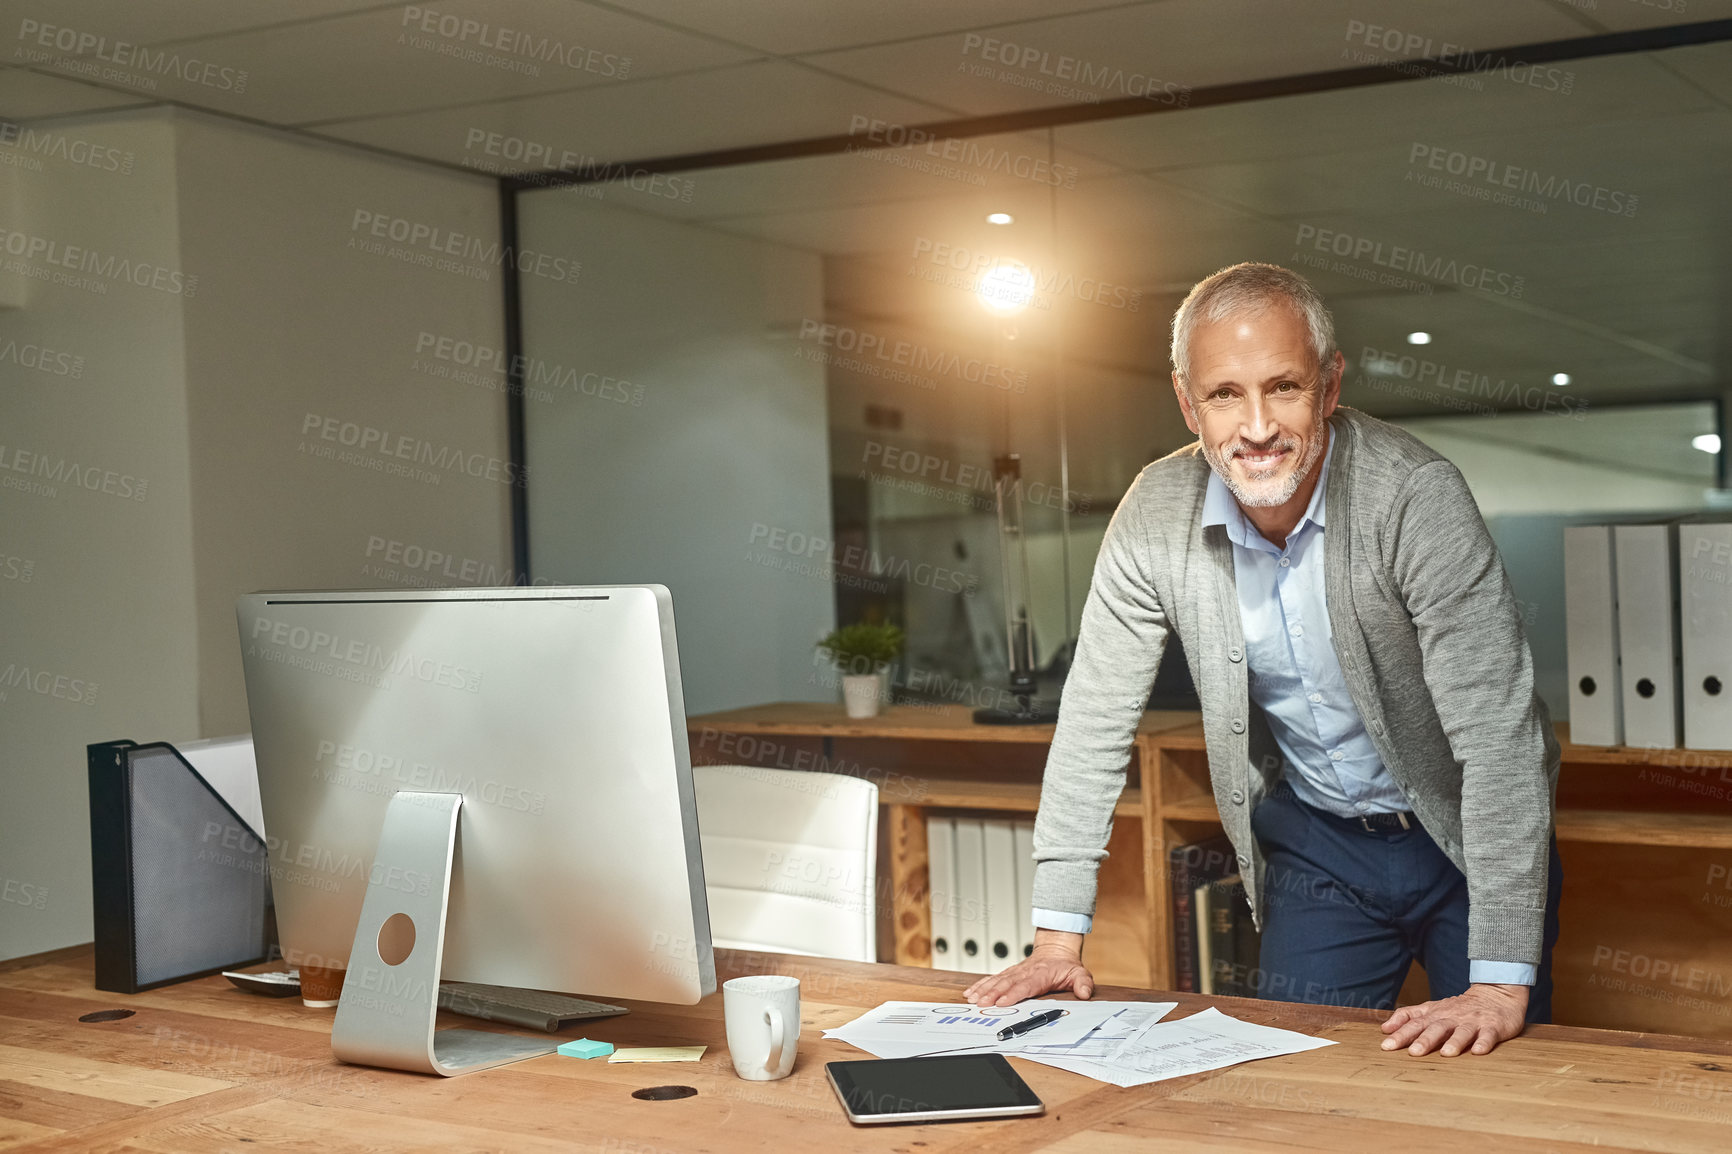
1331, 762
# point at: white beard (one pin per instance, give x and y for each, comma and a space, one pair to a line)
1267, 494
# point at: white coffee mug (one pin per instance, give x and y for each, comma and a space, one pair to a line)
763, 1019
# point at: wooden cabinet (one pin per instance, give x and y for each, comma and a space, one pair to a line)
1645, 837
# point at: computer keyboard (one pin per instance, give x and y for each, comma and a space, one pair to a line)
532, 1009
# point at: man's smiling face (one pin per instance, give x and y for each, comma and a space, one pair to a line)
1258, 400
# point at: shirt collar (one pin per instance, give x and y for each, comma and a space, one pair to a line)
1219, 507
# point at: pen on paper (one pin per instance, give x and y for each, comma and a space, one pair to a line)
1032, 1023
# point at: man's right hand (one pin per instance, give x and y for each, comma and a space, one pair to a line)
1054, 966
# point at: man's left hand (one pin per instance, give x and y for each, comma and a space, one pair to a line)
1478, 1020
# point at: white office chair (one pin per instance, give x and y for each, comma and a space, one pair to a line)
790, 859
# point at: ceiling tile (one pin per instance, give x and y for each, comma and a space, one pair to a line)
403, 58
45, 25
1159, 50
789, 27
28, 95
759, 103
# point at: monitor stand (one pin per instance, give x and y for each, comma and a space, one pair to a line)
386, 1014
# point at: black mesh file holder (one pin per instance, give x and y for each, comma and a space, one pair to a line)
181, 883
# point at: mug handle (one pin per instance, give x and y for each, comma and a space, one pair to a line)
778, 1037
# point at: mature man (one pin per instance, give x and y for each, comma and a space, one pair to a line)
1382, 764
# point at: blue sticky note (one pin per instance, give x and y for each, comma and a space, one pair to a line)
584, 1048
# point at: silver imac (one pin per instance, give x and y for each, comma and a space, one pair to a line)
486, 785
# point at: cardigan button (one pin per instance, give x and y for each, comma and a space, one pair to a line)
1238, 797
1235, 654
1238, 725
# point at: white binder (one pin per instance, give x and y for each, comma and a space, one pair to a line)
1023, 834
1591, 631
941, 893
971, 897
1705, 610
1645, 560
1001, 901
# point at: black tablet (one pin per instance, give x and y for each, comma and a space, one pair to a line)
944, 1089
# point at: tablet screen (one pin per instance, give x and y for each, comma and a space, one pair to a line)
948, 1085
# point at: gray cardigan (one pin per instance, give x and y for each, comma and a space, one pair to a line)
1429, 639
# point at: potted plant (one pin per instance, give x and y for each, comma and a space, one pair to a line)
862, 652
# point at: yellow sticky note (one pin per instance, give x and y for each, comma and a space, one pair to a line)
657, 1054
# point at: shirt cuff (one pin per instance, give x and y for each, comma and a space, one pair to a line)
1497, 973
1069, 923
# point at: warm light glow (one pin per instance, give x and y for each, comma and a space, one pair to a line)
1006, 288
1560, 378
999, 218
1419, 338
1707, 442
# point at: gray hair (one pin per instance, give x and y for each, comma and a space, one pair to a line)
1250, 288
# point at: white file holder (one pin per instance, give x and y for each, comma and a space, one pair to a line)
1591, 631
1705, 610
1645, 557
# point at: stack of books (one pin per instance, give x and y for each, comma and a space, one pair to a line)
1215, 945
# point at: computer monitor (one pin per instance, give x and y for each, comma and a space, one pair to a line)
500, 776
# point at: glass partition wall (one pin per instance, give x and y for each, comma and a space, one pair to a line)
833, 357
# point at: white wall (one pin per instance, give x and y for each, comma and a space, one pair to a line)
709, 464
96, 587
302, 321
204, 396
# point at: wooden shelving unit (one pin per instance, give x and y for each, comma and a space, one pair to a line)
1646, 838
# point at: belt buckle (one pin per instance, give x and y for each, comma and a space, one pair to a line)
1369, 828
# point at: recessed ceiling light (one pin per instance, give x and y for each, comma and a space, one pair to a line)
1707, 442
1006, 288
1419, 338
1560, 378
999, 218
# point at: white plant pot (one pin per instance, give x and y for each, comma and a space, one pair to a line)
861, 694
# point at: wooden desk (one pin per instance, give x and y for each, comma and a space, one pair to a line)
201, 1066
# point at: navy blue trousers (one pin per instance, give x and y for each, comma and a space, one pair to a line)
1348, 911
